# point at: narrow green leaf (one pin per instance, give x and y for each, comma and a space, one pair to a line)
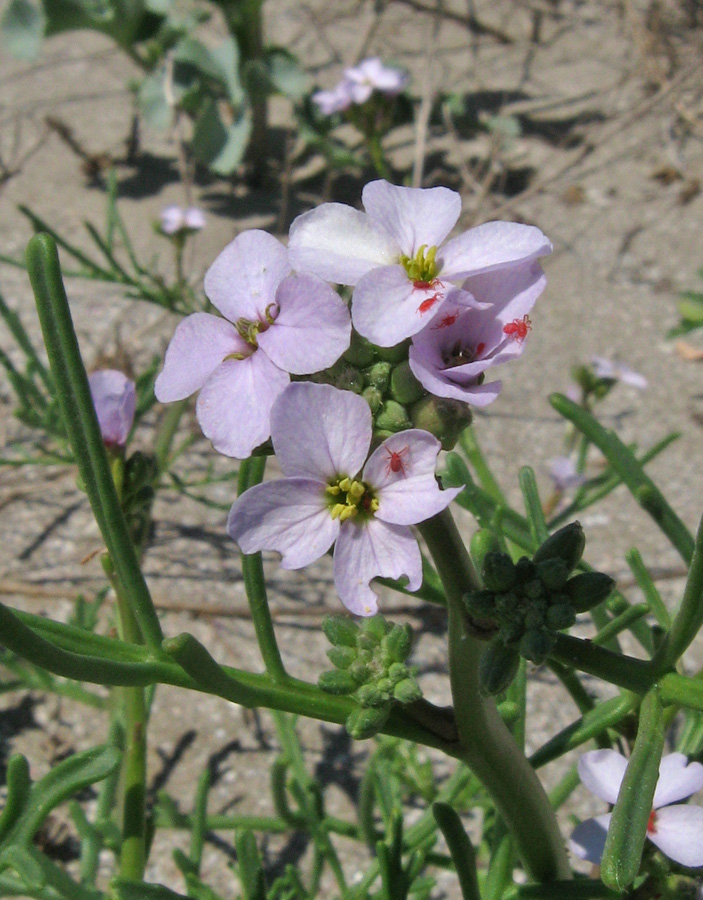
460, 847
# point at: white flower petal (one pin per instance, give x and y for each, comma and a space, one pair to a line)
289, 516
678, 779
338, 243
493, 245
320, 432
373, 549
602, 772
587, 841
412, 217
679, 834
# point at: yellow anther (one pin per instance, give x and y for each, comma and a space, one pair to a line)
347, 513
356, 491
373, 505
421, 267
333, 489
269, 317
345, 485
337, 510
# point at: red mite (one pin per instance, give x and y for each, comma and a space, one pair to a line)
395, 461
446, 321
430, 302
518, 328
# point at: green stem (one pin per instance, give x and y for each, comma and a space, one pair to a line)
83, 430
475, 456
625, 671
167, 432
251, 472
488, 748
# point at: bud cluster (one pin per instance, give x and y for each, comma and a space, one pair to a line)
382, 376
370, 667
140, 473
530, 601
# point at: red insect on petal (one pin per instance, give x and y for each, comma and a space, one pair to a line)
518, 328
395, 461
446, 321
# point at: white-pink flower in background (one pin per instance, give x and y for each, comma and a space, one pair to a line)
613, 370
563, 473
371, 75
175, 219
275, 324
396, 257
321, 437
676, 830
336, 100
115, 400
483, 325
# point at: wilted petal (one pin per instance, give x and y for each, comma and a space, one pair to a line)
602, 772
289, 516
588, 839
402, 473
242, 281
678, 779
492, 246
199, 345
678, 833
312, 329
234, 405
115, 400
373, 549
338, 243
319, 431
412, 217
387, 307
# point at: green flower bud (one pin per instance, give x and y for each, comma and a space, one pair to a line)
385, 685
359, 672
560, 616
397, 672
373, 397
376, 627
511, 632
399, 643
567, 544
525, 570
367, 642
361, 353
507, 605
392, 417
370, 695
407, 691
340, 631
509, 711
497, 667
364, 723
378, 375
588, 590
480, 603
533, 589
140, 469
553, 573
483, 542
405, 388
394, 354
337, 682
341, 657
442, 417
536, 644
498, 572
534, 617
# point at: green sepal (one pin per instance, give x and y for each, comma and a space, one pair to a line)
340, 631
341, 657
588, 590
338, 681
365, 723
567, 544
399, 642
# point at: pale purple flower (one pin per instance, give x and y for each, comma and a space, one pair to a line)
676, 830
336, 100
175, 219
275, 323
321, 436
395, 256
482, 326
371, 75
115, 400
562, 471
612, 370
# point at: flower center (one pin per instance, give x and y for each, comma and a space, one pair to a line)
250, 329
460, 354
350, 498
422, 268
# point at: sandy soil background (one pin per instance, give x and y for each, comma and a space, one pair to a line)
609, 163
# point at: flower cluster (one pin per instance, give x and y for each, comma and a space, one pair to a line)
174, 220
675, 830
358, 84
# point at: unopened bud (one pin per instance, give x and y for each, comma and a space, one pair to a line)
588, 590
360, 353
442, 417
373, 397
378, 375
405, 388
376, 627
480, 603
567, 544
340, 631
337, 682
560, 616
483, 542
399, 643
394, 354
392, 417
364, 723
536, 644
370, 695
553, 573
497, 667
498, 572
341, 657
407, 691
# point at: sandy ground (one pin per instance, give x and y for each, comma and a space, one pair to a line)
609, 164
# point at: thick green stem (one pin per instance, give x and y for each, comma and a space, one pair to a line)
488, 748
627, 672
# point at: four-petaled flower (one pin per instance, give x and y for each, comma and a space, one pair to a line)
612, 370
174, 219
115, 400
321, 437
275, 323
480, 326
676, 830
395, 257
357, 85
